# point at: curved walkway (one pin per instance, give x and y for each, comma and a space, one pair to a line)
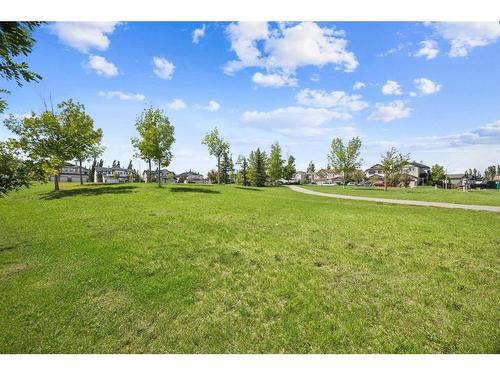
397, 201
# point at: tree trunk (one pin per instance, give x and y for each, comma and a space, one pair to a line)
218, 169
56, 182
385, 183
149, 171
81, 175
159, 173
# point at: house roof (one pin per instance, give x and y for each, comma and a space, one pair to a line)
455, 175
110, 169
420, 165
374, 166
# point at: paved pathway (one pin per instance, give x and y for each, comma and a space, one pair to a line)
398, 201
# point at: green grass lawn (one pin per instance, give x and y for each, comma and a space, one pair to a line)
191, 269
489, 197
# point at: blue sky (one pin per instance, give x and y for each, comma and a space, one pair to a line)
429, 89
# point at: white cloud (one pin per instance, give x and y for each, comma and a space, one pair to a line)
176, 104
164, 69
390, 111
359, 85
426, 86
287, 47
212, 106
293, 116
102, 66
314, 77
487, 134
84, 36
244, 37
198, 34
334, 99
429, 49
465, 36
391, 88
391, 51
122, 95
274, 80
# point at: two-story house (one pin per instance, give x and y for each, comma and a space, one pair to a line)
71, 173
165, 176
111, 175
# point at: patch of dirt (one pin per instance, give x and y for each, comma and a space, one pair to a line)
108, 300
11, 269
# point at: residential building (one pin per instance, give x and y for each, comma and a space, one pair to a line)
71, 173
191, 177
375, 172
165, 176
421, 173
326, 177
301, 177
111, 175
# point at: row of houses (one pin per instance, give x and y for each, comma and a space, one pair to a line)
112, 175
416, 173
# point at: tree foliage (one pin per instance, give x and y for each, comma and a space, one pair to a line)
275, 163
289, 169
243, 172
437, 174
49, 139
258, 163
393, 163
344, 159
14, 172
216, 147
15, 41
156, 136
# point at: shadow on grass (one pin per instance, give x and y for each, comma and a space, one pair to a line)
90, 191
181, 189
247, 188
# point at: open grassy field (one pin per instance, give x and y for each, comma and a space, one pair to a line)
489, 197
190, 269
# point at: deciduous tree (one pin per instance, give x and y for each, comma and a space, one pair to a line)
345, 159
156, 136
392, 164
275, 163
16, 41
216, 147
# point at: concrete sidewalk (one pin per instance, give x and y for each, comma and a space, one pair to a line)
472, 207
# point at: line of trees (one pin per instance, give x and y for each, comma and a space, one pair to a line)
257, 169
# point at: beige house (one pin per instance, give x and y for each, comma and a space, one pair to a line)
111, 175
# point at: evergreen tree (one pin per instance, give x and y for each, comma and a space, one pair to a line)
311, 168
289, 169
259, 168
118, 164
226, 167
243, 173
92, 171
275, 164
114, 164
130, 167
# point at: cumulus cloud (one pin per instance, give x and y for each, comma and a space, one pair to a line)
84, 36
198, 34
163, 68
359, 85
392, 88
425, 86
429, 49
212, 106
176, 104
287, 47
122, 95
102, 66
334, 99
274, 80
390, 111
293, 116
465, 36
487, 134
